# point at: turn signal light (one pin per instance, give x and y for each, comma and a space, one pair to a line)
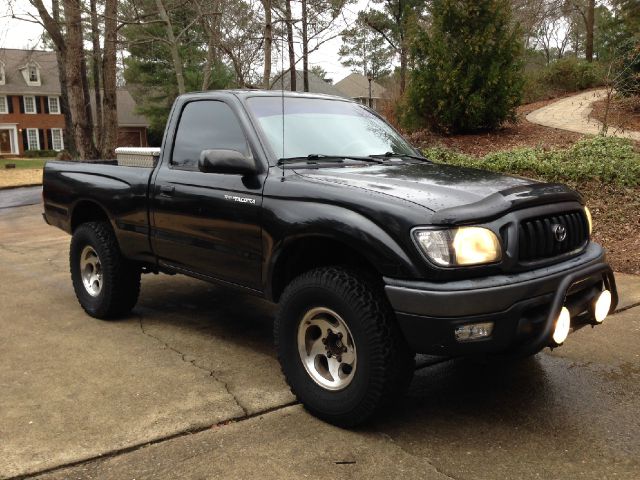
473, 331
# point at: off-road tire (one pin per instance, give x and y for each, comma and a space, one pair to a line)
385, 364
120, 277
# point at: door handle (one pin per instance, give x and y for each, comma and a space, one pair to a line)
167, 189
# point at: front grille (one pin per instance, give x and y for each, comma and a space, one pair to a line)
537, 239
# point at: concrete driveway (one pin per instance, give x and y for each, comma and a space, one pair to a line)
189, 387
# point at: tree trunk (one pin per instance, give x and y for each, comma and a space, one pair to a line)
173, 46
110, 137
268, 41
95, 70
75, 67
68, 138
292, 53
305, 48
590, 24
403, 68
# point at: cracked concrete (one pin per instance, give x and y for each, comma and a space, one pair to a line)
193, 362
189, 387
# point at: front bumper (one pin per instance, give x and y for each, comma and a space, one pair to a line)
523, 306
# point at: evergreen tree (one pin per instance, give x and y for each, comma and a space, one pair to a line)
150, 70
365, 51
467, 74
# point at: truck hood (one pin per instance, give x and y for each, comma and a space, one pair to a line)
454, 194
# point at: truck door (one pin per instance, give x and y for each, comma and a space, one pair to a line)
208, 223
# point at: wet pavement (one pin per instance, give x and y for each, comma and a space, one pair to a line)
189, 387
18, 197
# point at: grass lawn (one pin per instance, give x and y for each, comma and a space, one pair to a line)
24, 162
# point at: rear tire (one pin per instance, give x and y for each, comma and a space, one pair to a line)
377, 366
106, 284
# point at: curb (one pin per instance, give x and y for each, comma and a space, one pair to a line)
12, 187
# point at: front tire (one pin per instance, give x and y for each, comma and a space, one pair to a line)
339, 346
106, 284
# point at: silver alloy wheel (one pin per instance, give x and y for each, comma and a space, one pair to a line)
326, 348
91, 271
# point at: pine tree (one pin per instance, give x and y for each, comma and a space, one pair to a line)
467, 74
365, 51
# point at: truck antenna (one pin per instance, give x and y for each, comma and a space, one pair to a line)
282, 96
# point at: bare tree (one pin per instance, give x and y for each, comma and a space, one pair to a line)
75, 67
172, 42
96, 65
586, 10
109, 60
290, 42
268, 42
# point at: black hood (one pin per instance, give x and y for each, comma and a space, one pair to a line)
452, 193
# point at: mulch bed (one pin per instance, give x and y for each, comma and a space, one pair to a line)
624, 113
520, 134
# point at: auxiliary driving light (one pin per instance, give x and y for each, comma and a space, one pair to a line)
601, 306
473, 331
562, 326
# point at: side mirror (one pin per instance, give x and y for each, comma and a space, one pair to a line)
225, 161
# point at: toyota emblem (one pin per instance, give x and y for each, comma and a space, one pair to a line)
559, 232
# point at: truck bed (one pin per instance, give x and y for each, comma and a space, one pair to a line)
120, 190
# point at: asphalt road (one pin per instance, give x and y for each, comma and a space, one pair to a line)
189, 387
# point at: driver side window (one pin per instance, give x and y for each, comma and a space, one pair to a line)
205, 125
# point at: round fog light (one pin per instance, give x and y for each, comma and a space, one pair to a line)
602, 306
562, 326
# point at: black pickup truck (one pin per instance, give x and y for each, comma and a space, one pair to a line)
372, 252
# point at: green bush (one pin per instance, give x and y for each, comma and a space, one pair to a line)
40, 153
571, 74
467, 67
607, 159
561, 76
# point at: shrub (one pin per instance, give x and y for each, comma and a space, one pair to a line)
570, 74
40, 153
607, 159
561, 76
467, 73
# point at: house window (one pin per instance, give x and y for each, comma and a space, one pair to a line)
54, 105
4, 108
33, 73
33, 139
57, 143
2, 79
29, 104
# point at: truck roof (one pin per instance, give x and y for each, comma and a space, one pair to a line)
250, 92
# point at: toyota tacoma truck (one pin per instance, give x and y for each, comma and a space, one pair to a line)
372, 252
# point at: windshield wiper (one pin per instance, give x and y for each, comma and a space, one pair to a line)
315, 157
400, 155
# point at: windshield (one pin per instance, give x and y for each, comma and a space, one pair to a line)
315, 126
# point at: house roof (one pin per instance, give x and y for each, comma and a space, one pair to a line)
14, 60
126, 105
356, 85
316, 84
15, 84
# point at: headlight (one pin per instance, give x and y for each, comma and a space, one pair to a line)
460, 246
587, 212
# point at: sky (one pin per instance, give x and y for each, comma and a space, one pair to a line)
20, 34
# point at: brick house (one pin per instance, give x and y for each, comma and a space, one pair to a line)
30, 113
